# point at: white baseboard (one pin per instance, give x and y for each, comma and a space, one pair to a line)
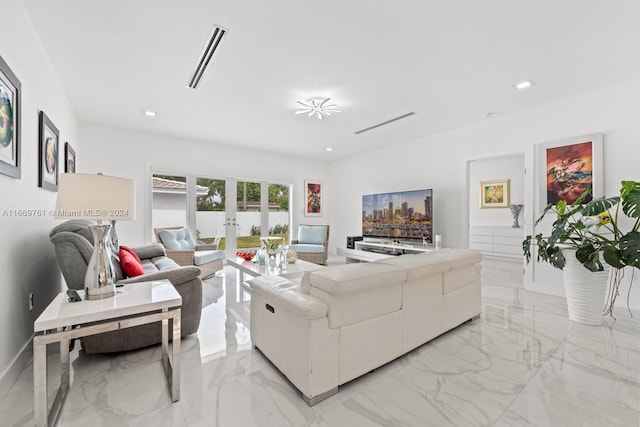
17, 365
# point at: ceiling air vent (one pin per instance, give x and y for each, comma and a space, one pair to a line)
209, 48
404, 116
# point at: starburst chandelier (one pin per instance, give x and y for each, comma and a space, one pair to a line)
318, 107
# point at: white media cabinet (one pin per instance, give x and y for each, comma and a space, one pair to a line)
371, 251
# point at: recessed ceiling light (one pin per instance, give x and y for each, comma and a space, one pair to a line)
524, 85
150, 113
318, 107
328, 149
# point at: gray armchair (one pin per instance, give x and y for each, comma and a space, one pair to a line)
73, 244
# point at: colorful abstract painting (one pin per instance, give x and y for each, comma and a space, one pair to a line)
569, 171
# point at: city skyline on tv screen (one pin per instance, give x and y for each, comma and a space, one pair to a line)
402, 215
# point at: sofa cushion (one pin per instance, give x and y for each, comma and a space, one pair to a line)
459, 257
305, 282
303, 247
177, 240
351, 278
315, 235
419, 265
203, 257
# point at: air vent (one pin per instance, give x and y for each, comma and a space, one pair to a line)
209, 48
404, 116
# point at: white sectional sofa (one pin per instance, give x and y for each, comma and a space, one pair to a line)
341, 322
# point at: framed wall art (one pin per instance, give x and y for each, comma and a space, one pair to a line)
10, 121
568, 167
69, 158
312, 198
48, 154
494, 194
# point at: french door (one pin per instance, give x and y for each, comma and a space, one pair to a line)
233, 212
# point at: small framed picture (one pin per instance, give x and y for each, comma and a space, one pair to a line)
69, 158
10, 121
48, 157
494, 194
312, 198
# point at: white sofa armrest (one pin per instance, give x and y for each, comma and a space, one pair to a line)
287, 294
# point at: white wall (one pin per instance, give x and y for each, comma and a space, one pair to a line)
28, 262
439, 162
503, 167
134, 154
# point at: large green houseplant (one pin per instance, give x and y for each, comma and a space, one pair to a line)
596, 233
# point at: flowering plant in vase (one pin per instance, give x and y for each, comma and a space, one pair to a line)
596, 231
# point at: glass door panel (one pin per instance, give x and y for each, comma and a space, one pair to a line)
210, 211
279, 211
169, 201
248, 212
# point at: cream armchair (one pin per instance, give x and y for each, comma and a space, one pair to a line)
312, 243
181, 248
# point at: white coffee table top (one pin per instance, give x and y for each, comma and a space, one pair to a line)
255, 269
130, 299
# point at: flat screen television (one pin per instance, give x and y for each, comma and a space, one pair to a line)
405, 216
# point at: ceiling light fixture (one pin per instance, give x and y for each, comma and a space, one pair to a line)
524, 85
318, 107
328, 149
150, 113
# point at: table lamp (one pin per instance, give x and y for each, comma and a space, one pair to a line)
100, 198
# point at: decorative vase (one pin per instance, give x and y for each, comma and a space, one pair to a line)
586, 290
515, 212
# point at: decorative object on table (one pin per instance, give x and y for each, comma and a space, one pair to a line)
10, 121
494, 194
282, 256
69, 158
48, 158
569, 167
262, 256
312, 198
246, 255
595, 235
515, 212
292, 256
100, 198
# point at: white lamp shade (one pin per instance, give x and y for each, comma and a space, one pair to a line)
97, 197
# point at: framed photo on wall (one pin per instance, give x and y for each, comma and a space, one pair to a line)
494, 194
568, 167
312, 198
69, 158
10, 121
48, 154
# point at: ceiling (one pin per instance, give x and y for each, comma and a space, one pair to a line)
450, 62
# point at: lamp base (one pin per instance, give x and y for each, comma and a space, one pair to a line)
99, 281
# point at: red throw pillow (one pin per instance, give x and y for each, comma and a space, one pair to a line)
130, 262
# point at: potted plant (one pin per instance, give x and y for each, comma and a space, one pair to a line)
594, 231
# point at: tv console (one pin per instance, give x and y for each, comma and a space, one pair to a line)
370, 251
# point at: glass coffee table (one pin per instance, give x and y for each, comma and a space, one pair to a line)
254, 269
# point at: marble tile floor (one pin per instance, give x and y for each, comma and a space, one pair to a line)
523, 363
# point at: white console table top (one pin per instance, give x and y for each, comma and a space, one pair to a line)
130, 299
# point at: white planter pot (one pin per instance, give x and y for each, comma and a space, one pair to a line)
586, 290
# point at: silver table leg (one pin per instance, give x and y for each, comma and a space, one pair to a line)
40, 381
